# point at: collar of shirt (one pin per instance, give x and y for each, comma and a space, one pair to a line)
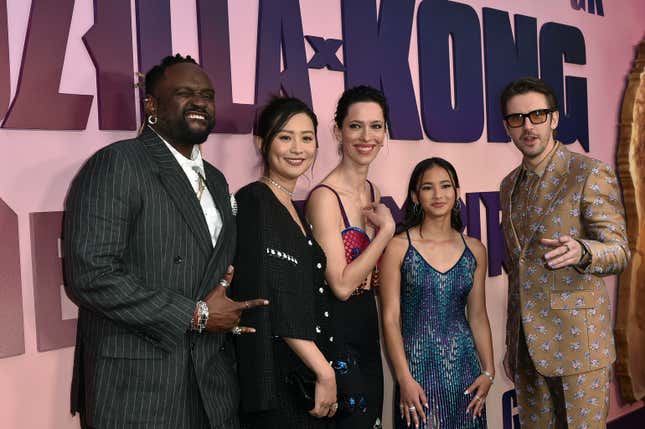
541, 167
192, 168
186, 164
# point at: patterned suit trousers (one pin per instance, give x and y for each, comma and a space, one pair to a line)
578, 401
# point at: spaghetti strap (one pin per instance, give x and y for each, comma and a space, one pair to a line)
407, 233
371, 190
340, 203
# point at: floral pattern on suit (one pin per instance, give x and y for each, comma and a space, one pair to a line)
565, 313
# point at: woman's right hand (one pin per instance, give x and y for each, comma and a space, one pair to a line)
413, 402
326, 404
379, 215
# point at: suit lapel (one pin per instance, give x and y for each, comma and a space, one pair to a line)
222, 202
174, 180
552, 184
507, 195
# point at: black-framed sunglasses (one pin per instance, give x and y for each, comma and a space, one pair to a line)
516, 120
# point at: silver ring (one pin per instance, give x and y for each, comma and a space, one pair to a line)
236, 330
334, 406
412, 408
224, 283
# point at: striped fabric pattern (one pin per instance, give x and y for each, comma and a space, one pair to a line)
137, 256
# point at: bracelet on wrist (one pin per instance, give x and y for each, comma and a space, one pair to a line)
490, 376
200, 317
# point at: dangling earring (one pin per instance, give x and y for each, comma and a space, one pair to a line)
457, 206
152, 119
416, 209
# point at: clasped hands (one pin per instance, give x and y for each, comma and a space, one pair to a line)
224, 313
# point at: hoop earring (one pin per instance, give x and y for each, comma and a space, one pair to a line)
152, 119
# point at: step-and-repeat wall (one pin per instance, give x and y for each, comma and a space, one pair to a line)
67, 75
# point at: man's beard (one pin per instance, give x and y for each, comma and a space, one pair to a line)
183, 133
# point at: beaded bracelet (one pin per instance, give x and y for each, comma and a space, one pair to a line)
490, 376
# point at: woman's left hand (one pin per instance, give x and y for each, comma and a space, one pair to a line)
480, 388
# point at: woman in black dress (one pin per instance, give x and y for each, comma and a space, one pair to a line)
278, 258
353, 228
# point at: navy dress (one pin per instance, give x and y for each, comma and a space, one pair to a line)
437, 339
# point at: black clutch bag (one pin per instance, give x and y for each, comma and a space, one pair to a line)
303, 389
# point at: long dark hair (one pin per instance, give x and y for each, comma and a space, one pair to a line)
414, 216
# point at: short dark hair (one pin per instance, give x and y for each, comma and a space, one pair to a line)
155, 74
273, 117
358, 94
414, 217
525, 85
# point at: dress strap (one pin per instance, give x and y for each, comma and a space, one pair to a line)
371, 190
407, 233
340, 203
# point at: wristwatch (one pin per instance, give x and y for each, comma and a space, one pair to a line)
585, 256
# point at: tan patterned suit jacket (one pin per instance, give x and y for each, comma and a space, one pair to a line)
565, 313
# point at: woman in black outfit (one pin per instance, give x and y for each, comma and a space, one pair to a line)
278, 258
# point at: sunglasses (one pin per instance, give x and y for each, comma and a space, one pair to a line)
516, 120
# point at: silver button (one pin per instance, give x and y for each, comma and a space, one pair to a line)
321, 290
319, 265
326, 313
309, 243
318, 329
331, 339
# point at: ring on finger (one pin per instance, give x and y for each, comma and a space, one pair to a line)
224, 283
334, 406
412, 408
236, 330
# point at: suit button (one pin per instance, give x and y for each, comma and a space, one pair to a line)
178, 260
319, 265
222, 348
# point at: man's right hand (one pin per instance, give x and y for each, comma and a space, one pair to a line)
224, 313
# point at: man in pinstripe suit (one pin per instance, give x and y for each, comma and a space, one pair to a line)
149, 229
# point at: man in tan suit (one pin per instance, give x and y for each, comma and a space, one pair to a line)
564, 228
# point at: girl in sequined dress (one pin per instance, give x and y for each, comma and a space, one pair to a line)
442, 355
353, 229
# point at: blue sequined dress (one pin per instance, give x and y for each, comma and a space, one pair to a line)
437, 339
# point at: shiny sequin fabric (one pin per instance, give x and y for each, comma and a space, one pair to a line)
437, 339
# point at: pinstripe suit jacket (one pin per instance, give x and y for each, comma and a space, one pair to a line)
565, 312
137, 256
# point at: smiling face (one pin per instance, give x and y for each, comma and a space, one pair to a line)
292, 150
184, 105
435, 192
533, 140
362, 133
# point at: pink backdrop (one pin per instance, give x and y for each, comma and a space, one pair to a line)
38, 165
